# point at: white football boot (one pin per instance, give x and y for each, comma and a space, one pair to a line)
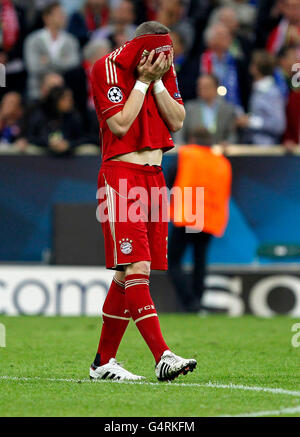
170, 366
114, 371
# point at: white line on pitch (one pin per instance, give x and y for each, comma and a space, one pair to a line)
290, 410
281, 391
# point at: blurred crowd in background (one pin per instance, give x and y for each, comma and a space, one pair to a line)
236, 62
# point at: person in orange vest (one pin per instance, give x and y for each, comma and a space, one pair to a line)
199, 209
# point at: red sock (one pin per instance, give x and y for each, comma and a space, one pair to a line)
115, 317
143, 312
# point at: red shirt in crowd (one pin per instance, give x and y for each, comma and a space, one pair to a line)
292, 132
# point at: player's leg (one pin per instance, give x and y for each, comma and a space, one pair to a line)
169, 365
141, 307
143, 312
115, 314
115, 317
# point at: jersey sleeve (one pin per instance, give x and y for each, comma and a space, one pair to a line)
109, 97
171, 83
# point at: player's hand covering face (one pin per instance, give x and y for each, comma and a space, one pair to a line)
169, 62
148, 72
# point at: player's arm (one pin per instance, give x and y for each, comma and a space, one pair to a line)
120, 123
172, 112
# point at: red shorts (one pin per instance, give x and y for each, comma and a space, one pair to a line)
133, 213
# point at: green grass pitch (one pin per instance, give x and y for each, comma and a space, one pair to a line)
50, 359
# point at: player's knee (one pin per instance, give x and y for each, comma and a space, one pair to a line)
138, 268
120, 276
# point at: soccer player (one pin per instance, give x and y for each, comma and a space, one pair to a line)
138, 103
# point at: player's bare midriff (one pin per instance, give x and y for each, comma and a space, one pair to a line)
142, 157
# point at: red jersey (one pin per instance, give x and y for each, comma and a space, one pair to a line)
113, 78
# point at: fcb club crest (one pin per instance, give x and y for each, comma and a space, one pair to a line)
115, 94
125, 246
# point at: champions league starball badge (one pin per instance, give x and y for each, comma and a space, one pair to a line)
115, 94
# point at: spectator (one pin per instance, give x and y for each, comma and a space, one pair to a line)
287, 57
197, 167
56, 125
266, 122
171, 14
186, 67
122, 26
151, 7
292, 133
93, 51
35, 9
12, 33
50, 81
94, 14
240, 45
71, 6
245, 12
218, 60
11, 116
268, 17
288, 30
199, 12
78, 81
209, 111
11, 120
179, 49
50, 49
